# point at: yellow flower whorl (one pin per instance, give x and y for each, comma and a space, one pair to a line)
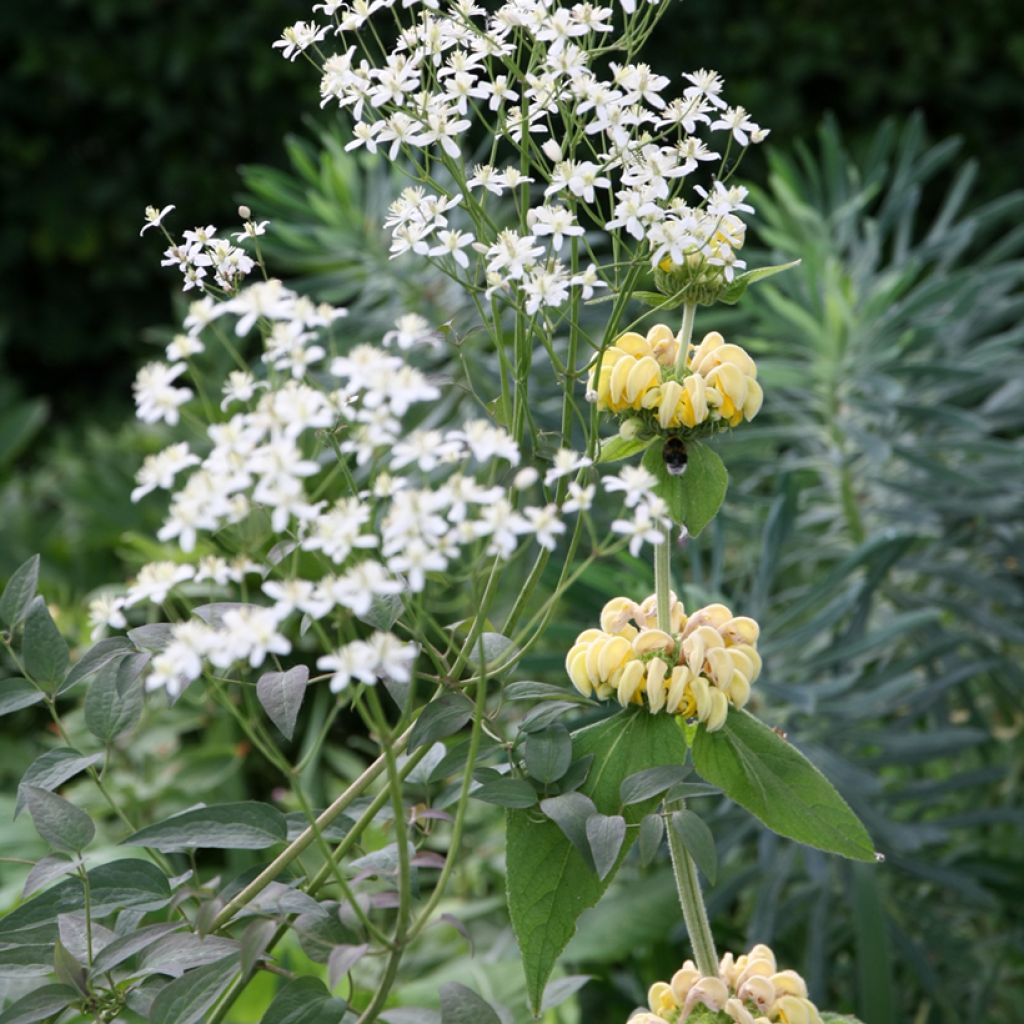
706, 662
750, 989
638, 374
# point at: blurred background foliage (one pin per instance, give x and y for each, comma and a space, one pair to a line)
875, 516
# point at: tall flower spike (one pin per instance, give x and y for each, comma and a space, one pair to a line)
702, 666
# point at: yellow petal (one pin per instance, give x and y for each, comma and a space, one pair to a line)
653, 640
578, 674
656, 670
617, 613
721, 664
671, 393
740, 630
633, 344
619, 381
642, 376
614, 652
660, 998
630, 682
754, 400
683, 980
719, 710
789, 983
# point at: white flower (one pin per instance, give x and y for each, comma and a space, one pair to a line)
299, 37
566, 461
642, 528
634, 481
154, 217
155, 581
581, 499
413, 329
159, 471
545, 525
105, 613
155, 398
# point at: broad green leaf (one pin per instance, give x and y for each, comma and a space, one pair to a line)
151, 638
100, 654
63, 825
741, 282
304, 1001
78, 935
44, 652
113, 703
238, 826
16, 694
693, 497
39, 1005
549, 882
461, 1005
67, 969
53, 769
548, 753
187, 999
605, 834
118, 885
281, 695
440, 718
507, 793
182, 951
19, 592
45, 871
762, 772
31, 960
613, 449
696, 837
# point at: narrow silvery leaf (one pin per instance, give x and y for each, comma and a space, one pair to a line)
281, 694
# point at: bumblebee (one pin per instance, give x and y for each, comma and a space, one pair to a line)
674, 454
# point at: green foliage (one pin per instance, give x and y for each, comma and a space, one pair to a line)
549, 881
764, 773
695, 496
241, 826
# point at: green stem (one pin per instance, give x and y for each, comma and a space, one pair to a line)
663, 581
694, 913
308, 836
685, 334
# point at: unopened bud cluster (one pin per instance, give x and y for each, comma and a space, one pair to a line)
702, 665
716, 387
748, 990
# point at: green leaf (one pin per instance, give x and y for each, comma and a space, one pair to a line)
613, 449
461, 1005
657, 300
762, 772
440, 718
548, 753
46, 870
33, 960
99, 655
549, 882
694, 497
281, 695
652, 831
739, 284
506, 793
237, 826
651, 782
605, 834
342, 959
561, 989
16, 694
43, 650
304, 1001
67, 969
39, 1005
60, 823
186, 999
115, 886
129, 945
19, 592
695, 835
53, 769
113, 703
570, 812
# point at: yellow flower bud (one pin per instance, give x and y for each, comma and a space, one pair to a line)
740, 630
633, 344
616, 614
614, 652
660, 998
789, 983
758, 989
683, 980
630, 682
649, 640
676, 702
577, 668
721, 665
738, 1012
644, 375
656, 670
701, 358
663, 343
668, 406
712, 992
794, 1010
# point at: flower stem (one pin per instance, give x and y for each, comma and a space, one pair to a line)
685, 334
694, 913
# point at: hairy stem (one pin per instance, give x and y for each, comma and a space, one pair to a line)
694, 913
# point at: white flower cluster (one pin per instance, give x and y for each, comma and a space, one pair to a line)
417, 498
201, 252
631, 146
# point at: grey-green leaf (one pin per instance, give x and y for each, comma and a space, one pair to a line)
39, 1005
605, 834
762, 772
100, 654
507, 793
694, 497
652, 831
548, 753
187, 999
696, 837
129, 945
304, 1001
571, 812
461, 1005
440, 718
44, 652
281, 695
614, 449
19, 592
53, 769
734, 292
45, 871
246, 825
63, 825
113, 703
16, 694
651, 782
